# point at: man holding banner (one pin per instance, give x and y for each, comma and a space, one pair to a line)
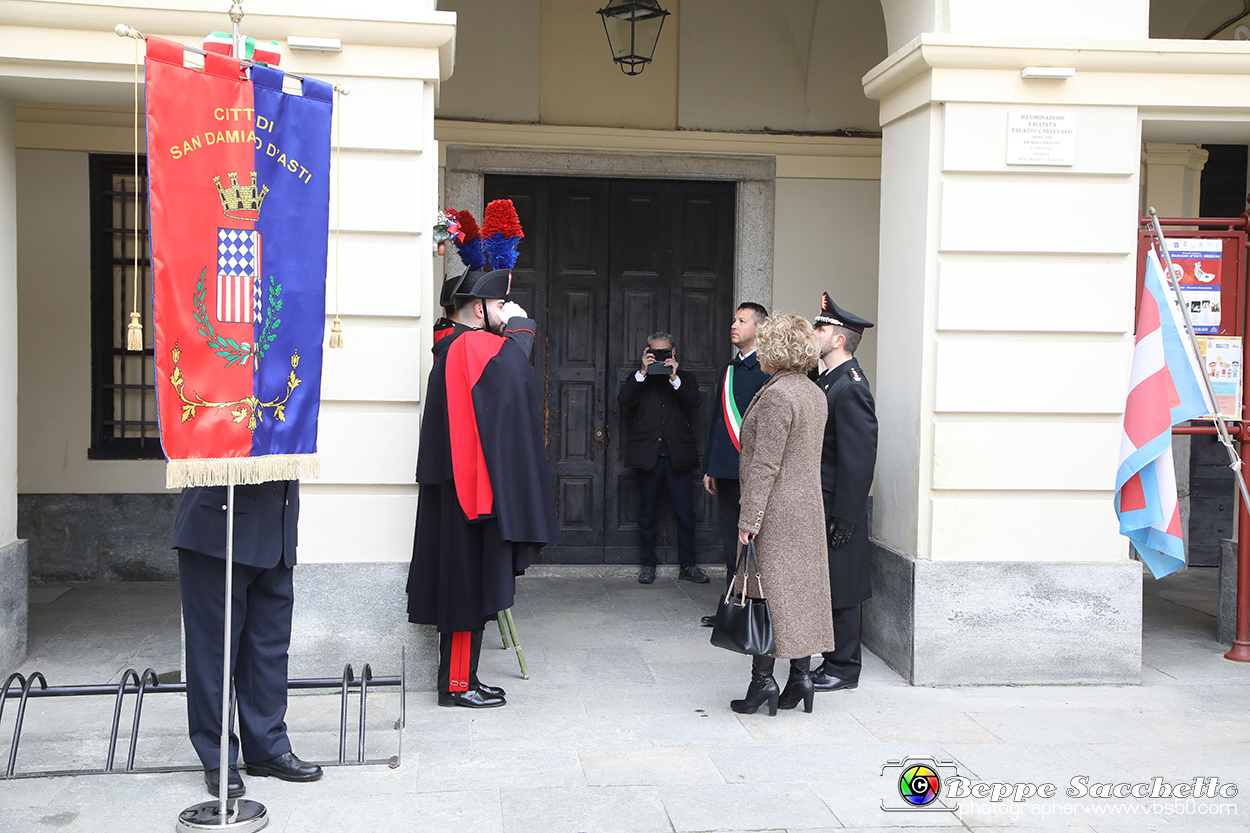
486, 508
239, 195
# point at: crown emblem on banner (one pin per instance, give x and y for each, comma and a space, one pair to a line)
241, 202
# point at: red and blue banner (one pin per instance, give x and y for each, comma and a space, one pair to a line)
1164, 390
239, 183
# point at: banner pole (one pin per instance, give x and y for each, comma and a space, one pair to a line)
1240, 650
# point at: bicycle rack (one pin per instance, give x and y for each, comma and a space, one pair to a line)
147, 683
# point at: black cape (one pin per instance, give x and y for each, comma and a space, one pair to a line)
463, 570
847, 461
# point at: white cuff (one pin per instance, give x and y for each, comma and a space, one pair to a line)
675, 382
639, 377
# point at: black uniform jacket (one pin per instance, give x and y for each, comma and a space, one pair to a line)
655, 413
266, 520
721, 458
846, 467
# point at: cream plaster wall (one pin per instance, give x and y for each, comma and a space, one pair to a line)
904, 318
784, 65
497, 76
8, 326
825, 239
721, 65
54, 333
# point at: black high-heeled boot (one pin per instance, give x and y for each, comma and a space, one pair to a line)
763, 689
799, 686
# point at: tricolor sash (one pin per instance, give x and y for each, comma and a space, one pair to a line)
733, 419
237, 169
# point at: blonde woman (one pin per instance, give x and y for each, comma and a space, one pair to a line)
781, 508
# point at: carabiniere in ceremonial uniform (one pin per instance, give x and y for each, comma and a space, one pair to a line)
848, 458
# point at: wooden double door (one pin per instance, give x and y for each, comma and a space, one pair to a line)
604, 263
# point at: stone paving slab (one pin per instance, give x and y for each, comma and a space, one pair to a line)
624, 725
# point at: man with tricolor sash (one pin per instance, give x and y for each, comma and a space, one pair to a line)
739, 380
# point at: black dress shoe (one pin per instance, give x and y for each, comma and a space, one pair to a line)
822, 680
285, 767
708, 621
492, 690
234, 783
474, 698
646, 575
693, 574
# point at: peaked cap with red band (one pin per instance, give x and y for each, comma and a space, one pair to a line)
831, 313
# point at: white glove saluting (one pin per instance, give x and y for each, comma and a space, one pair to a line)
513, 310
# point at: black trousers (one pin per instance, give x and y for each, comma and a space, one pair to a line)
845, 660
680, 495
445, 641
260, 638
728, 493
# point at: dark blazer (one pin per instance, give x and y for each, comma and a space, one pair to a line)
847, 461
657, 412
266, 518
721, 458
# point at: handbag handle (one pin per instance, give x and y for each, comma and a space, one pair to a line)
746, 555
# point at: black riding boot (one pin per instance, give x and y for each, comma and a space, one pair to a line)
763, 689
799, 686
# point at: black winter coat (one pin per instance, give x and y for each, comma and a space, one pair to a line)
658, 415
847, 461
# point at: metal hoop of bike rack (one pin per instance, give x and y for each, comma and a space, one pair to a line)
22, 688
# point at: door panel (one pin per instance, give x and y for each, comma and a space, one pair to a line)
604, 263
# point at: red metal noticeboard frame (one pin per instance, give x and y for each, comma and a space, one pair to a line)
1233, 231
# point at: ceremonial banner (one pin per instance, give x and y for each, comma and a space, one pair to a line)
239, 183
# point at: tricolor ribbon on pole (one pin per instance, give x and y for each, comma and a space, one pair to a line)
1165, 389
239, 174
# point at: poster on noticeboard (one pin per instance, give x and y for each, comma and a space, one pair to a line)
1196, 263
1221, 357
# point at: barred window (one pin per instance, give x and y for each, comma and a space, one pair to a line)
123, 391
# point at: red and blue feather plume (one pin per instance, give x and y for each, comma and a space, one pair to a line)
469, 246
501, 233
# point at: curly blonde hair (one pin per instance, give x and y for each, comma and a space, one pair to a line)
788, 342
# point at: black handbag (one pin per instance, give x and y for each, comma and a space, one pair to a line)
744, 624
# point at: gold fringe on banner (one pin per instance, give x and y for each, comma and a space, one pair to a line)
223, 471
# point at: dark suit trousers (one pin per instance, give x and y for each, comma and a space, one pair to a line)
261, 635
680, 495
728, 493
444, 660
844, 660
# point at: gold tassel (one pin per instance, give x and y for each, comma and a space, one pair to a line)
336, 334
134, 334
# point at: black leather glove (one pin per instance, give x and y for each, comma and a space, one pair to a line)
840, 532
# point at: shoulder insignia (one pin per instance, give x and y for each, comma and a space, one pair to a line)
855, 375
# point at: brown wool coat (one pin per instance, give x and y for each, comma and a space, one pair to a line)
782, 432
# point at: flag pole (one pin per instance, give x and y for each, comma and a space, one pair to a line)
1240, 650
1234, 459
242, 815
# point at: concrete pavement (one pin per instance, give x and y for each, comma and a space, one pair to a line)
624, 725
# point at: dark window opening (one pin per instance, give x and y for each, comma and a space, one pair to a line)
123, 390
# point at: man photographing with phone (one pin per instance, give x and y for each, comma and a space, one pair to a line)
659, 398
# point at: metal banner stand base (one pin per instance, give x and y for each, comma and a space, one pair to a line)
242, 816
